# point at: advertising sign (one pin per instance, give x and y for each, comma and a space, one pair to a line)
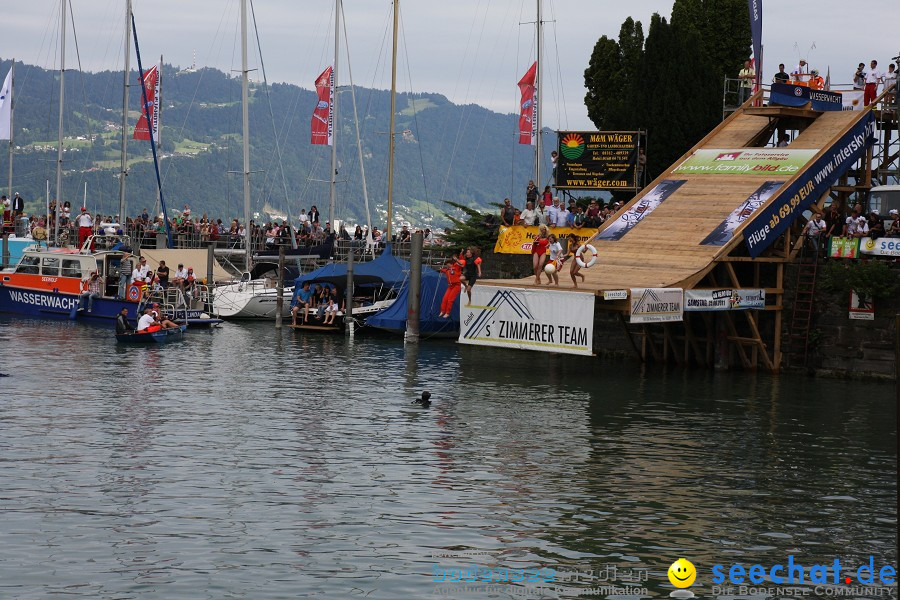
706, 300
853, 100
517, 239
772, 220
722, 234
627, 220
841, 247
743, 161
528, 319
862, 308
657, 305
788, 94
615, 294
597, 160
880, 247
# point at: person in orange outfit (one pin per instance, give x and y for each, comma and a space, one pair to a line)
453, 272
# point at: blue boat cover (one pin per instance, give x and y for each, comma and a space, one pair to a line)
393, 318
391, 270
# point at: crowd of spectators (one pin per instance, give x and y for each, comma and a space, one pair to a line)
549, 210
855, 223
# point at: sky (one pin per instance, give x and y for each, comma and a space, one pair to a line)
472, 51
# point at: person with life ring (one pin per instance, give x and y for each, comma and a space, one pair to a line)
470, 260
556, 254
453, 273
574, 269
579, 256
539, 253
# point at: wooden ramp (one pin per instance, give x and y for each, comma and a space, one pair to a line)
664, 248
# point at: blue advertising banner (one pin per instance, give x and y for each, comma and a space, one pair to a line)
755, 7
775, 218
787, 94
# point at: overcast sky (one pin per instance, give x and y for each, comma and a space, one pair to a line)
472, 51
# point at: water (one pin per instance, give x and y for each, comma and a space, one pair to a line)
244, 463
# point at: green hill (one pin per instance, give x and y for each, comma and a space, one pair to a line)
465, 154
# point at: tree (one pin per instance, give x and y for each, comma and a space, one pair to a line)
479, 229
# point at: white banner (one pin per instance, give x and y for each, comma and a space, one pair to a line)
880, 247
528, 319
852, 100
700, 300
6, 106
657, 305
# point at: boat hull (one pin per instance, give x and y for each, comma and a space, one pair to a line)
163, 336
234, 302
41, 304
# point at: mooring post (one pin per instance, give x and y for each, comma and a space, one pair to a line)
4, 255
348, 311
279, 302
415, 288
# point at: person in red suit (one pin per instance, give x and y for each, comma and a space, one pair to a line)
85, 223
453, 272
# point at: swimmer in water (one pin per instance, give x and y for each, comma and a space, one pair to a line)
425, 400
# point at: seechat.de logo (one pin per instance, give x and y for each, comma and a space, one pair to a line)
682, 574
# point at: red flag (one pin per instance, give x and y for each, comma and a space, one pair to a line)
528, 109
322, 125
151, 82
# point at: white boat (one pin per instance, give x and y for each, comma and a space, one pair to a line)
251, 299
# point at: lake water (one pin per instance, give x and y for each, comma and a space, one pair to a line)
247, 463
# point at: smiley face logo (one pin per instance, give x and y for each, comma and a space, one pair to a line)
682, 573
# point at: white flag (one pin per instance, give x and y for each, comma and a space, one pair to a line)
6, 106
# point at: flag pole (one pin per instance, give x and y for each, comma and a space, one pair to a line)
334, 112
537, 99
12, 106
146, 110
62, 90
123, 172
390, 193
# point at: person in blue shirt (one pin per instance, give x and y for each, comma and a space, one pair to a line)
302, 297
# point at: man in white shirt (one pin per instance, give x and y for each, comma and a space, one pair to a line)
552, 212
890, 78
813, 230
146, 322
85, 224
801, 69
873, 78
139, 275
561, 213
747, 75
528, 214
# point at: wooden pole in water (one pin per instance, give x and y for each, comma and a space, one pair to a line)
415, 288
210, 257
4, 253
279, 303
348, 309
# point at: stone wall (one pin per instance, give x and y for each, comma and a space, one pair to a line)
843, 347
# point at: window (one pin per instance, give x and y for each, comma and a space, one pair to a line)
29, 265
71, 268
50, 266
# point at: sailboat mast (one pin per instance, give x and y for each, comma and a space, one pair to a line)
245, 111
157, 114
390, 195
539, 99
123, 172
62, 89
12, 107
334, 112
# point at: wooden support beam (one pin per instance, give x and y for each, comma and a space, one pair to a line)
630, 337
648, 341
668, 337
691, 340
751, 319
776, 351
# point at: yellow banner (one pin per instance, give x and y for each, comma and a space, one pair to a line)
517, 239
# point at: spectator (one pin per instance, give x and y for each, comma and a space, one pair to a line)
404, 234
747, 75
834, 221
547, 196
554, 160
890, 79
578, 218
813, 230
781, 76
90, 289
859, 78
540, 215
562, 215
875, 226
894, 229
531, 192
783, 139
162, 272
552, 212
18, 205
125, 266
873, 78
517, 217
528, 215
507, 213
592, 218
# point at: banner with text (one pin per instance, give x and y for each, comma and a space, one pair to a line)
743, 161
628, 219
151, 83
704, 300
880, 247
597, 160
322, 123
843, 247
772, 220
722, 234
528, 107
657, 305
517, 239
528, 319
788, 94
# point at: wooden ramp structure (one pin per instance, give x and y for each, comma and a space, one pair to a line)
665, 247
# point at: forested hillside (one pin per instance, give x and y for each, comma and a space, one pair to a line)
464, 154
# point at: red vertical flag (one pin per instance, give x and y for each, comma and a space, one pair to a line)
322, 125
528, 108
141, 130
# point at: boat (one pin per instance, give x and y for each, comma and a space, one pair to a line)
162, 336
255, 295
393, 318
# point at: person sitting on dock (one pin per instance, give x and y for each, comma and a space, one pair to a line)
331, 307
90, 288
122, 323
300, 299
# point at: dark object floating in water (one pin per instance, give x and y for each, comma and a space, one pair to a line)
3, 375
425, 400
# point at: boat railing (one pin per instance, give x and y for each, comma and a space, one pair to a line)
104, 241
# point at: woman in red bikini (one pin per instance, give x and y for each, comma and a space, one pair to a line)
539, 253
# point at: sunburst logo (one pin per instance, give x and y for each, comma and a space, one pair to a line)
572, 146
